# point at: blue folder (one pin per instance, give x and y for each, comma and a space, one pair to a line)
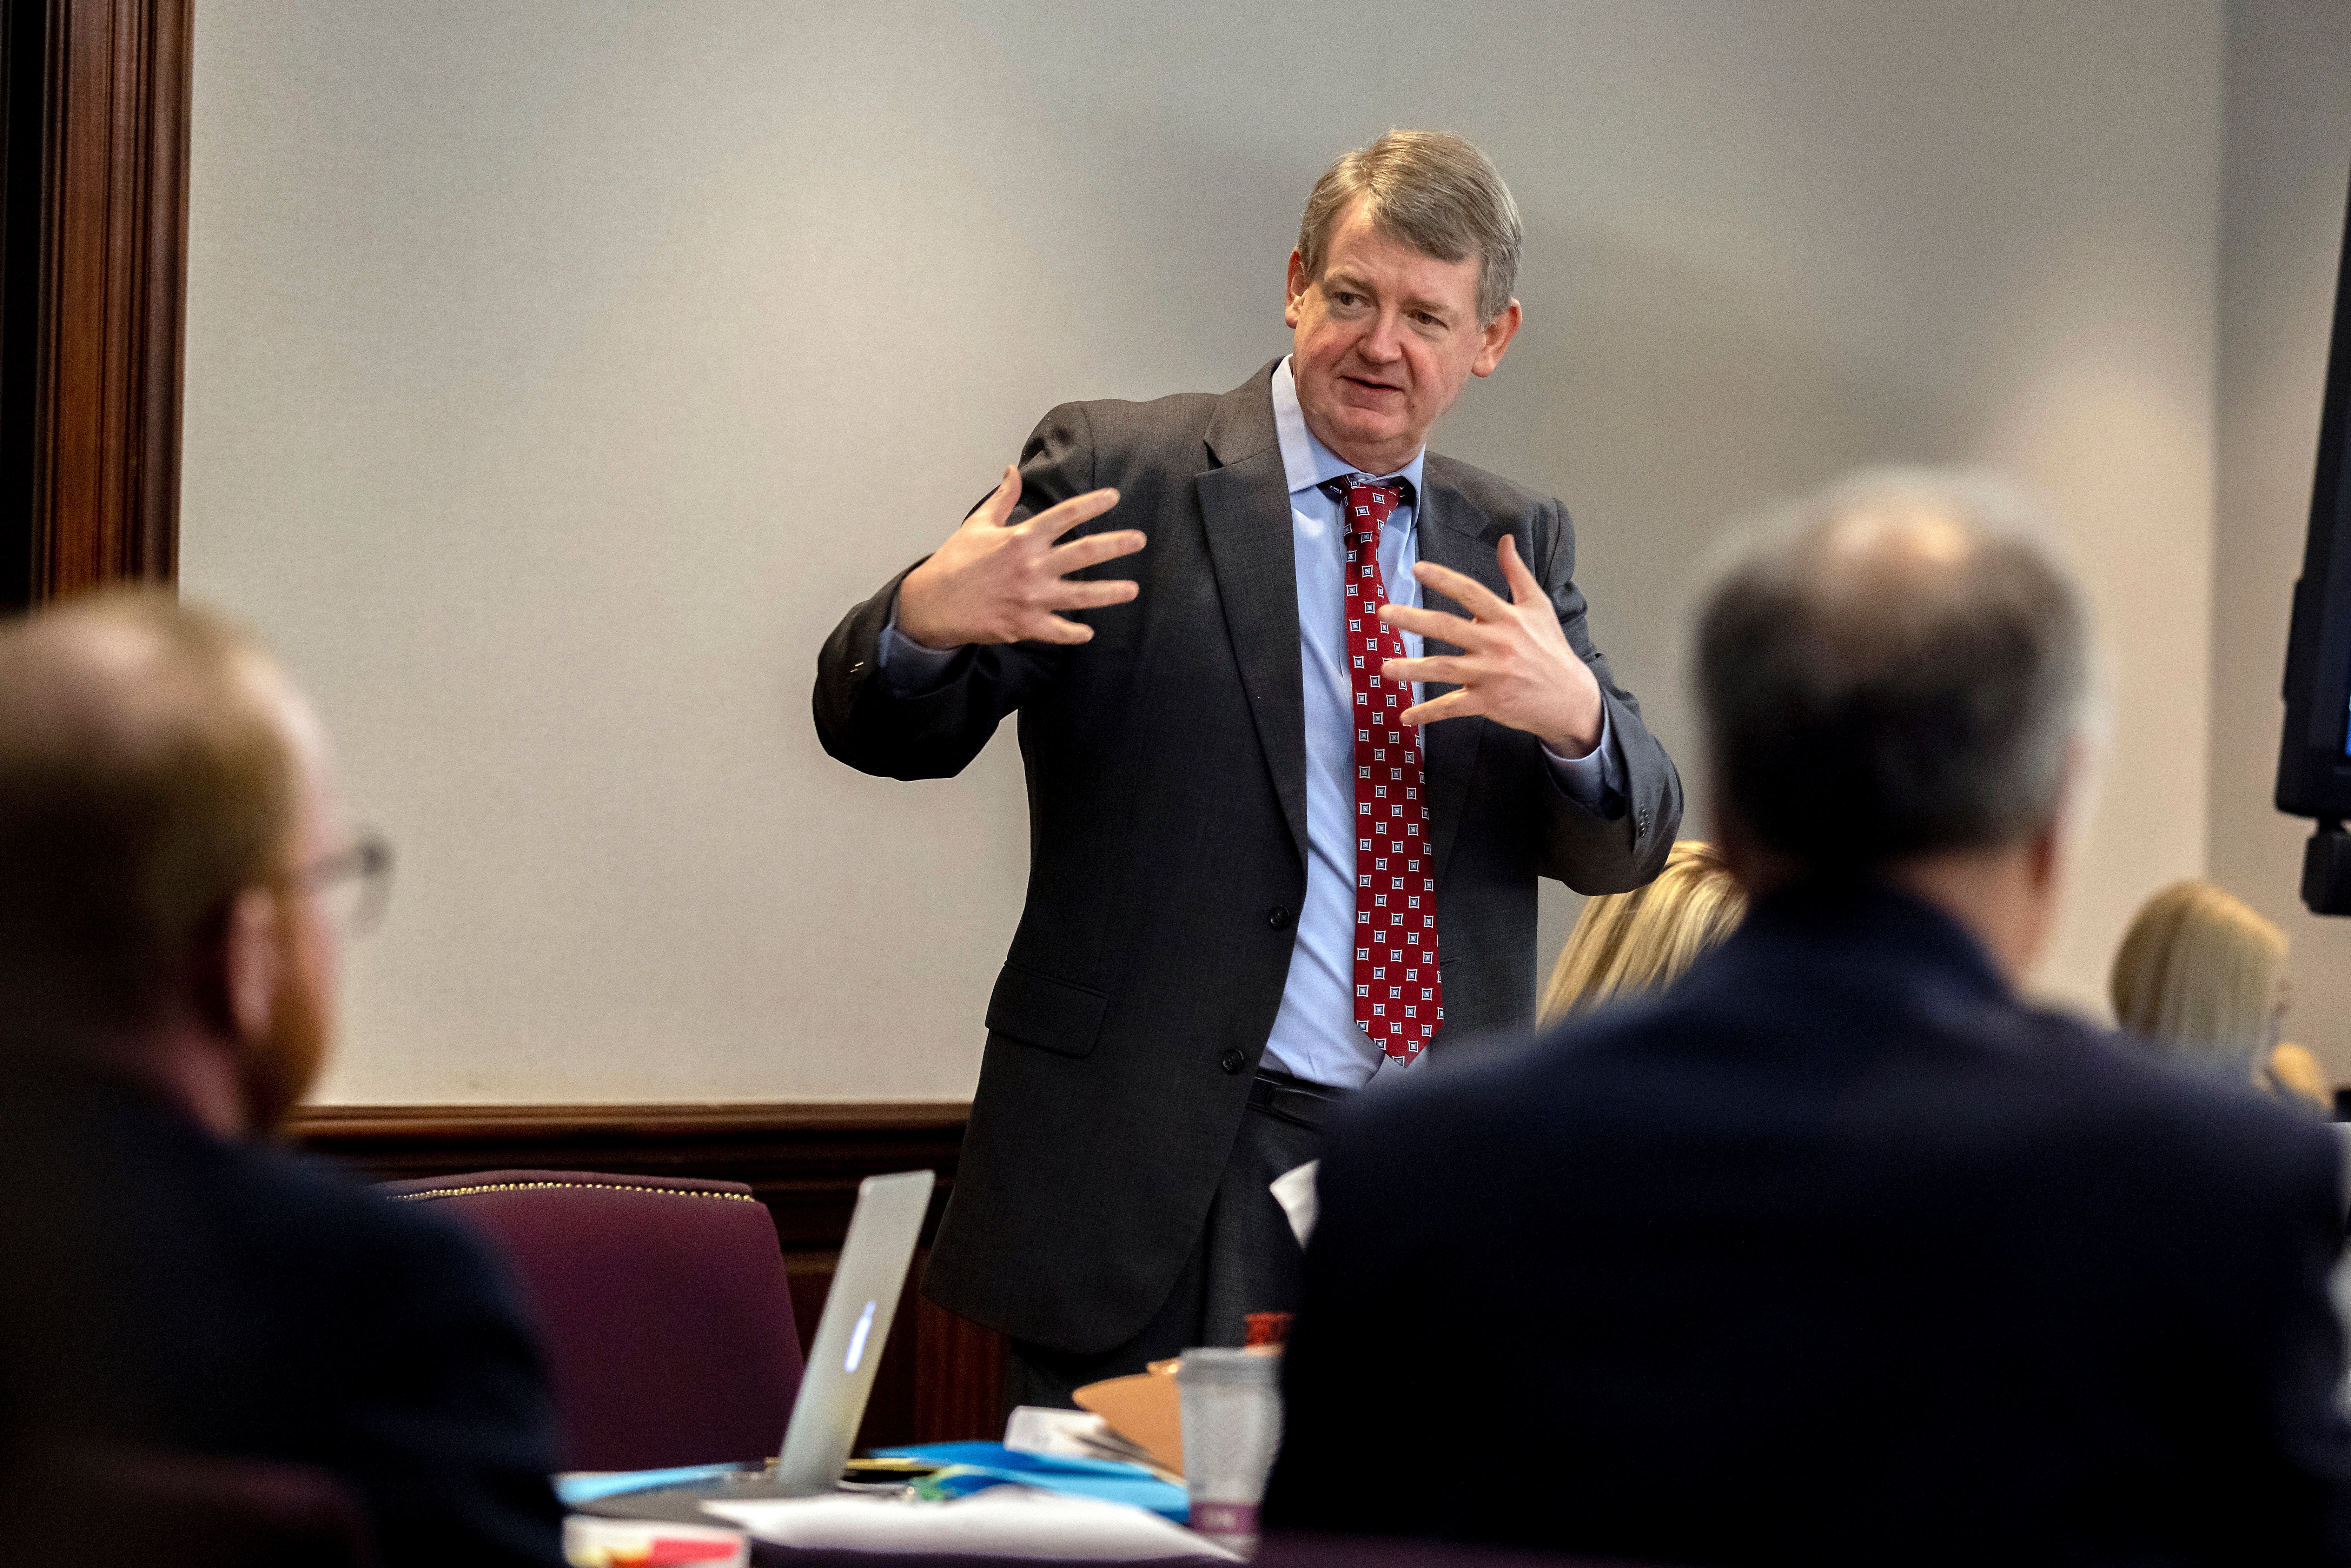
974, 1466
586, 1487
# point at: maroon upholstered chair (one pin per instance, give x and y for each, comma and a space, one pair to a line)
661, 1304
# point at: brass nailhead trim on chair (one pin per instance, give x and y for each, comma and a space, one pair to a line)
578, 1185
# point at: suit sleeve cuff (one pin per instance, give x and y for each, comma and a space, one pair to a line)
1595, 780
909, 668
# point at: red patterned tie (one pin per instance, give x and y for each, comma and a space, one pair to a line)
1399, 999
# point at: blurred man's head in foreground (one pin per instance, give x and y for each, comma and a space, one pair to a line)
166, 811
1894, 676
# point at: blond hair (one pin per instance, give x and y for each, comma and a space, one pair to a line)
2201, 975
1642, 940
2294, 1074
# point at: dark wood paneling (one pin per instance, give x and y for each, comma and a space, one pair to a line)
93, 292
970, 1403
24, 77
940, 1377
108, 487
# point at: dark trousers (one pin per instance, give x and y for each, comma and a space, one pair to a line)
1245, 1261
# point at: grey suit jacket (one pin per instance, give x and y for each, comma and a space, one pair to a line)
1166, 769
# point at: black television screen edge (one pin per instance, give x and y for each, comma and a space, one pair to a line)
2313, 778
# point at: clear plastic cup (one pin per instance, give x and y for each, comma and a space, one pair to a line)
1232, 1429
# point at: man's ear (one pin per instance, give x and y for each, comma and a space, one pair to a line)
1296, 297
2046, 856
1496, 340
253, 962
2050, 848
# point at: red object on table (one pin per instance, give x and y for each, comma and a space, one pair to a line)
1268, 1328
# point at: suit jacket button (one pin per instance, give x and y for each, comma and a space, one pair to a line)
1279, 918
1232, 1061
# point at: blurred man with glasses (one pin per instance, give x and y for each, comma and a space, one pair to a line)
176, 879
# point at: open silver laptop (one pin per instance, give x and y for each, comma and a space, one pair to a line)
849, 1337
841, 1359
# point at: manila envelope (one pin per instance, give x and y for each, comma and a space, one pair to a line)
1144, 1410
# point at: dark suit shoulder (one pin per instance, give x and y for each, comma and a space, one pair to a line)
257, 1302
2202, 1133
1136, 444
1178, 418
311, 1209
1141, 449
1144, 450
1503, 499
302, 1222
1951, 1079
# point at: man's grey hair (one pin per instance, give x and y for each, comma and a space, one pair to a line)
1895, 666
1433, 191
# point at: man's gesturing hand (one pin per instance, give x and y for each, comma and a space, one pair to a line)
990, 583
1514, 667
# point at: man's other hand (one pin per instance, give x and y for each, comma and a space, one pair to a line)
990, 583
1514, 667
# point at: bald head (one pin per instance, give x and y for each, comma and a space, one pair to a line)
154, 764
1896, 668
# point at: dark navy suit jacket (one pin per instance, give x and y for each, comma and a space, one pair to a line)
1167, 768
162, 1288
1837, 1254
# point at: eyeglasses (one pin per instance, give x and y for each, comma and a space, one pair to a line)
353, 884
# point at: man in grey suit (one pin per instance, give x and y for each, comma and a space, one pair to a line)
1253, 884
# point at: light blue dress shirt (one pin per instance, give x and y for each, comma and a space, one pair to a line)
1315, 1035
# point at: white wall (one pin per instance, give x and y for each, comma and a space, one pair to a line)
559, 370
2288, 144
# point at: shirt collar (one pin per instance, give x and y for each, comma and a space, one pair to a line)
1306, 461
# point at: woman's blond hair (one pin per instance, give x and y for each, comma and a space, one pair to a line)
1642, 940
2201, 975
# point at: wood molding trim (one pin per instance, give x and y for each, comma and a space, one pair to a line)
116, 304
941, 1377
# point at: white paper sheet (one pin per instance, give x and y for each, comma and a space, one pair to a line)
1038, 1430
1072, 1435
1294, 1190
1006, 1521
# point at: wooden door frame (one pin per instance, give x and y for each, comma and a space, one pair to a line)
93, 292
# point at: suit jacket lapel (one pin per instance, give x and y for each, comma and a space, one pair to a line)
1245, 508
1453, 534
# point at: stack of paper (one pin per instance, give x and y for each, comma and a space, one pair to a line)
1071, 1435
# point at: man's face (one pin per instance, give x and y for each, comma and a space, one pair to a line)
1384, 341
